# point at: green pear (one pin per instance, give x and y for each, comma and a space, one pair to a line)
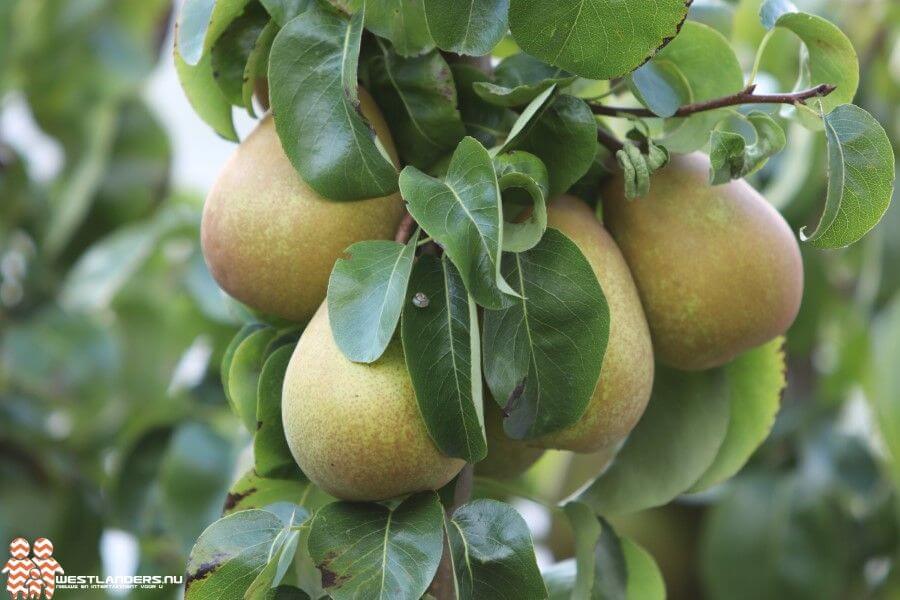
355, 429
626, 375
717, 267
270, 240
507, 458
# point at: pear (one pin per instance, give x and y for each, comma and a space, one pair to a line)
717, 267
626, 375
355, 429
270, 240
507, 458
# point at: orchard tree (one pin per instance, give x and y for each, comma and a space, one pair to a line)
470, 231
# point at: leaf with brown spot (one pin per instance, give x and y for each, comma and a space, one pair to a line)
230, 554
367, 550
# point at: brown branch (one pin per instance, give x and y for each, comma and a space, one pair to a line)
443, 586
405, 228
745, 96
611, 142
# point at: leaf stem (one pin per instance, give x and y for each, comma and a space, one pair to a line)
745, 96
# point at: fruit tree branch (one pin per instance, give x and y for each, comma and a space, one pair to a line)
745, 96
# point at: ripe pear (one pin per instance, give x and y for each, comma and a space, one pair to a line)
270, 240
355, 429
717, 267
626, 375
507, 458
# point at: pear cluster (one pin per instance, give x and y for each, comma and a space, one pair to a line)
693, 275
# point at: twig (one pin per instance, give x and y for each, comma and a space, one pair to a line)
609, 140
405, 228
443, 587
746, 96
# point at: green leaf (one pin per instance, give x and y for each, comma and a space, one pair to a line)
860, 178
564, 136
484, 121
597, 39
607, 565
470, 27
662, 87
519, 79
194, 474
521, 170
829, 58
645, 582
419, 101
365, 296
243, 374
712, 70
283, 11
527, 118
200, 24
103, 269
270, 450
462, 213
731, 157
367, 550
549, 344
228, 358
312, 74
884, 384
204, 94
756, 380
443, 355
253, 491
637, 166
493, 554
230, 554
232, 50
673, 445
403, 23
257, 66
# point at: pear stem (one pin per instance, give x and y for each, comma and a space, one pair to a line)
443, 587
745, 96
405, 228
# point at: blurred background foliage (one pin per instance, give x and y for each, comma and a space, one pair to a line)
115, 435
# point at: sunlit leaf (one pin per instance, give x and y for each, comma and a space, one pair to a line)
365, 296
598, 39
467, 26
860, 178
756, 380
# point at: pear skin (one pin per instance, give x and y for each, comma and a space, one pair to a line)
718, 268
270, 240
507, 458
626, 375
355, 429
